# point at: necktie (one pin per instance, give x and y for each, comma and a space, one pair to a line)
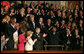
34, 24
77, 42
68, 42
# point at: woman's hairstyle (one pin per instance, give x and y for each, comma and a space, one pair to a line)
77, 29
22, 30
29, 33
22, 9
7, 17
31, 16
13, 19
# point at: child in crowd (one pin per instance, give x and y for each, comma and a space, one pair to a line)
30, 42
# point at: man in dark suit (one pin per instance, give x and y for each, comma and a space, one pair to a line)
68, 39
48, 25
32, 23
41, 25
80, 27
81, 14
39, 44
76, 40
63, 25
58, 15
28, 12
54, 39
44, 4
10, 29
57, 25
35, 15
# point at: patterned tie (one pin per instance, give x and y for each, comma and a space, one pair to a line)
34, 24
68, 42
77, 42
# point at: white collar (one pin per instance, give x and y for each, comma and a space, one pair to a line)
12, 25
68, 35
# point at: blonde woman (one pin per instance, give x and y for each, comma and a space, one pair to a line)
21, 15
22, 11
29, 41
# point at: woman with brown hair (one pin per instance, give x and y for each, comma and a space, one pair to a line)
21, 39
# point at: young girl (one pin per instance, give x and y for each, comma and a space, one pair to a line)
21, 39
30, 42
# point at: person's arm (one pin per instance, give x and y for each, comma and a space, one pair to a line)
10, 31
44, 35
6, 40
34, 41
31, 42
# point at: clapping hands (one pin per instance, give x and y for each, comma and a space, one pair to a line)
35, 40
7, 39
44, 35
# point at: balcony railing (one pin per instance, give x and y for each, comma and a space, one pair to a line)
62, 46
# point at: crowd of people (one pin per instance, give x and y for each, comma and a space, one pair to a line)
28, 28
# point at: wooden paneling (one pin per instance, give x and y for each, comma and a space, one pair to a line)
55, 52
10, 51
72, 4
75, 51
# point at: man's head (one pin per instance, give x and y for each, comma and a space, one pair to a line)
81, 12
76, 30
32, 17
37, 30
29, 10
12, 9
81, 21
63, 22
13, 20
49, 21
41, 19
35, 10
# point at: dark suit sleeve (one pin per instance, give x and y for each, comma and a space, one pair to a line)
41, 38
10, 31
36, 37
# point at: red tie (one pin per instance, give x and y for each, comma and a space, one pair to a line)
81, 27
75, 20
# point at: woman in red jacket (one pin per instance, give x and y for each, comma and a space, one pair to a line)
21, 39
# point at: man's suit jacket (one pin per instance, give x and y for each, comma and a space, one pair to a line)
76, 42
31, 26
9, 34
39, 44
54, 38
